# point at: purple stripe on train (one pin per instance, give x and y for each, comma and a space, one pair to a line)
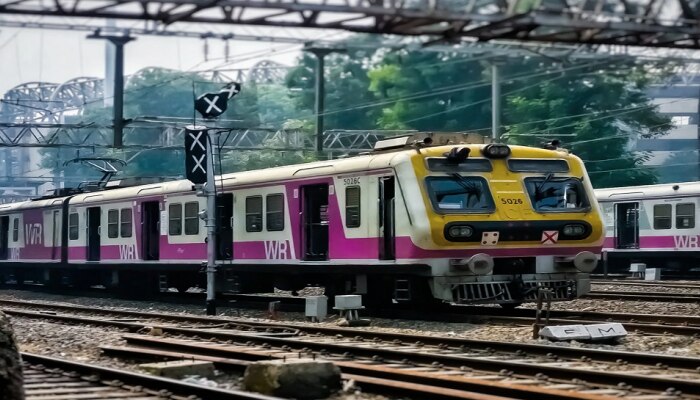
678, 242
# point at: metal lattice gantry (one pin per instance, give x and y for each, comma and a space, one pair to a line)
657, 23
28, 135
46, 102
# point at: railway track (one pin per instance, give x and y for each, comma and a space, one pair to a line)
49, 378
644, 296
633, 322
667, 284
587, 371
517, 374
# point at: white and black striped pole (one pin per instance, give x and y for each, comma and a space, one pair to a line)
200, 153
211, 106
211, 222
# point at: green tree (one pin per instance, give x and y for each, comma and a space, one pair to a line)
431, 91
594, 107
346, 88
596, 114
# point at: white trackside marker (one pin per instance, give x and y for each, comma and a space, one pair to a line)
212, 104
198, 163
196, 140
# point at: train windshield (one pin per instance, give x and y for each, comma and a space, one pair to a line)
557, 194
459, 194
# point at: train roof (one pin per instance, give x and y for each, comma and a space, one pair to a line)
371, 161
648, 191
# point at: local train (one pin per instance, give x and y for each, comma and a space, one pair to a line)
446, 217
653, 224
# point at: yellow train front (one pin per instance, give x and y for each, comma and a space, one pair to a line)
500, 222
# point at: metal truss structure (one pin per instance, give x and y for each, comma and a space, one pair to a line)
47, 102
655, 23
171, 137
50, 103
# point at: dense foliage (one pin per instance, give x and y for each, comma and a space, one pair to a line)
597, 108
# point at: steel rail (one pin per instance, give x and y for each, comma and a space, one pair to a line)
394, 386
146, 381
644, 296
448, 314
668, 284
390, 356
559, 351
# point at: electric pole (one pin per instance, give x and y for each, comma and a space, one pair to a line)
320, 88
118, 42
495, 100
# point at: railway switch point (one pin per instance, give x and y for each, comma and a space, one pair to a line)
180, 368
300, 379
584, 333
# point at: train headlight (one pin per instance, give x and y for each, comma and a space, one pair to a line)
460, 231
573, 230
496, 150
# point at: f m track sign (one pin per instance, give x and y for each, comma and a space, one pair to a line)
200, 153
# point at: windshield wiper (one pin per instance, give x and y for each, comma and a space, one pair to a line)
470, 187
538, 188
467, 187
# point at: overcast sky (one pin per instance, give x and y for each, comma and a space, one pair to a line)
30, 55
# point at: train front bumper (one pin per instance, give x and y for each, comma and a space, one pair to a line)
505, 289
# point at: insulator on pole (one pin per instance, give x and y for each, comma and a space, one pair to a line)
206, 50
226, 50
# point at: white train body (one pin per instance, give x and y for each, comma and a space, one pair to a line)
653, 224
369, 224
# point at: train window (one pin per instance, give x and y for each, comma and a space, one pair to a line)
192, 218
685, 216
352, 206
468, 165
662, 216
125, 223
175, 219
460, 194
253, 214
15, 229
549, 194
275, 212
73, 230
544, 166
112, 224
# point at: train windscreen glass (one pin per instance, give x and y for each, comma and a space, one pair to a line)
460, 194
557, 194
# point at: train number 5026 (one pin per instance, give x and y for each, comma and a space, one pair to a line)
511, 201
351, 181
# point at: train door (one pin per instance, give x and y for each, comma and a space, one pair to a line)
93, 233
55, 232
314, 217
224, 235
150, 230
387, 242
627, 225
4, 236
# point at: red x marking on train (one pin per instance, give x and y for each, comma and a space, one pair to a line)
550, 237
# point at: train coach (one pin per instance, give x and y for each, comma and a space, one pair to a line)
434, 217
652, 224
